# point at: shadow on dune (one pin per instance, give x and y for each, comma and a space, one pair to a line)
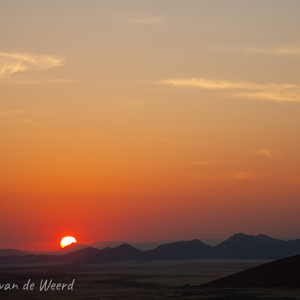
280, 273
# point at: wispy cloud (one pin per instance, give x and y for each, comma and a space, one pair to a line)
278, 96
18, 116
224, 84
287, 49
136, 162
147, 20
182, 161
9, 112
22, 121
37, 81
244, 175
202, 83
11, 63
215, 162
29, 122
274, 92
266, 153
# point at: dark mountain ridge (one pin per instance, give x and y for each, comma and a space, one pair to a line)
240, 246
245, 246
123, 252
7, 252
181, 250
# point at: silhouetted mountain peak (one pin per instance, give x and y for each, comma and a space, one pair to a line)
239, 236
86, 250
184, 244
125, 248
264, 237
82, 254
181, 250
10, 252
261, 246
107, 249
197, 242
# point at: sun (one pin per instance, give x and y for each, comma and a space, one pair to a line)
67, 240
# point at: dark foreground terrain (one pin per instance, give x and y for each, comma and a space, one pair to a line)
135, 280
284, 272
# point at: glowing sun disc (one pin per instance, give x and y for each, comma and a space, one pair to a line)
67, 240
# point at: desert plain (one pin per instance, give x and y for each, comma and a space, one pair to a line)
179, 279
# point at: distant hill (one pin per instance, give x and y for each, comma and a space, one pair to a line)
81, 255
239, 246
245, 246
68, 249
6, 252
104, 244
280, 273
180, 250
123, 252
87, 255
144, 246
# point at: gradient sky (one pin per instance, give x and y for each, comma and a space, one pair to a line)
136, 120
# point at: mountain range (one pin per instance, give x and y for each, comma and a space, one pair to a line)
239, 246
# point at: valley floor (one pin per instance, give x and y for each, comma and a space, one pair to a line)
178, 279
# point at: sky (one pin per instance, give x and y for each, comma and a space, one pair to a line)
144, 120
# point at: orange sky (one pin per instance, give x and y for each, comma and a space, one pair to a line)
146, 120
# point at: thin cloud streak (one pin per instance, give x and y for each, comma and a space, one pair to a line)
274, 92
215, 162
29, 122
11, 63
183, 162
279, 50
9, 112
265, 152
281, 96
224, 84
245, 175
34, 82
22, 121
147, 20
284, 50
